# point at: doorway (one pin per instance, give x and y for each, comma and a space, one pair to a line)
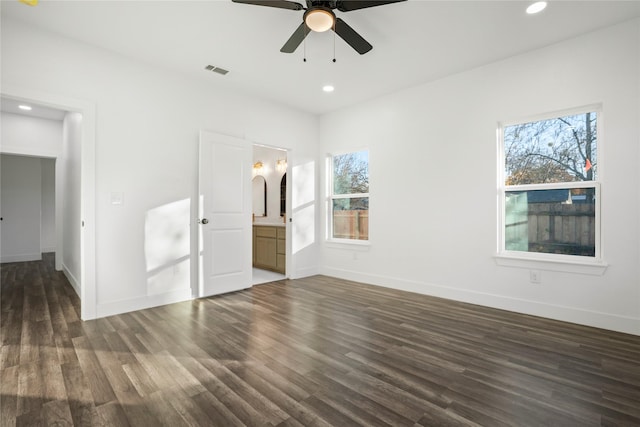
269, 237
28, 217
79, 128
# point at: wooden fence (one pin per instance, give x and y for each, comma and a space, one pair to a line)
351, 224
556, 228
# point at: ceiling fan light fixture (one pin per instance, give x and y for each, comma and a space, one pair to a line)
319, 19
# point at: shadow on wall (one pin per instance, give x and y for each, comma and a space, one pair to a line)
303, 207
167, 247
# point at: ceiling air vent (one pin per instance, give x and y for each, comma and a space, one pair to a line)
216, 69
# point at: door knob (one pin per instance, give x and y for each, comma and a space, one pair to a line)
204, 221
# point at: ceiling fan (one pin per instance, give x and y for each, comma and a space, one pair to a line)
319, 17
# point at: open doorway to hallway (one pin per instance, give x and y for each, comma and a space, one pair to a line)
27, 208
41, 201
269, 187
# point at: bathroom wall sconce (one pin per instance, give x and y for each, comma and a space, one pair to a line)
257, 167
281, 165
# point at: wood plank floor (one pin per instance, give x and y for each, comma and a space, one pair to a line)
311, 352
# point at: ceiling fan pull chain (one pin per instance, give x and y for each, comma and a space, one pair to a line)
334, 41
304, 47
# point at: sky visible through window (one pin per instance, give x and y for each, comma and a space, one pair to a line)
562, 149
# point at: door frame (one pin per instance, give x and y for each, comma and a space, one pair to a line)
88, 307
288, 204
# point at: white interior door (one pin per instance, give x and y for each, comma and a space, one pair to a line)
224, 214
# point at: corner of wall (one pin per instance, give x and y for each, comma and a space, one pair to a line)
75, 284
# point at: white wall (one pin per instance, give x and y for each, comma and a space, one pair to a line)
433, 166
48, 205
70, 170
147, 124
30, 135
269, 157
20, 208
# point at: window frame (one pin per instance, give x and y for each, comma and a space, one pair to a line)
331, 197
555, 262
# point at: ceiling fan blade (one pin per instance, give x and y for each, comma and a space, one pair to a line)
352, 38
348, 5
282, 4
296, 38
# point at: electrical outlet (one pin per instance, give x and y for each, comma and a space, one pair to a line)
534, 276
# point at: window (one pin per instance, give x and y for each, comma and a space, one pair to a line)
349, 196
550, 193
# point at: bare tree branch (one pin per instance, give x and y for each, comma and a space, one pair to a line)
552, 150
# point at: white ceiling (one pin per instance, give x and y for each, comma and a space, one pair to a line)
413, 42
8, 105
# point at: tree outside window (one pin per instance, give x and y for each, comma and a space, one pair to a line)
350, 196
556, 150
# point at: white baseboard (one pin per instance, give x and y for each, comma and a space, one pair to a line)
304, 272
75, 283
143, 302
21, 258
629, 325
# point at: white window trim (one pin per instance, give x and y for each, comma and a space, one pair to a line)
330, 197
594, 108
561, 264
595, 265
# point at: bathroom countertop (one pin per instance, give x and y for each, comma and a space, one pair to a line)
269, 224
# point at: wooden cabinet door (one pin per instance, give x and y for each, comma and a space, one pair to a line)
266, 252
281, 261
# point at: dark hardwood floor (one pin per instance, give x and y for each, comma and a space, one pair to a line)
313, 352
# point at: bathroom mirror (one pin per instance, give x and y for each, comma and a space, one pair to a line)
283, 195
259, 196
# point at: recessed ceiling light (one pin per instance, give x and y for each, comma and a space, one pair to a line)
536, 7
328, 88
24, 107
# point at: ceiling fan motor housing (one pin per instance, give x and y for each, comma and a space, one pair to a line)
330, 4
319, 18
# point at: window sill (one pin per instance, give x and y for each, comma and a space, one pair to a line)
347, 243
579, 266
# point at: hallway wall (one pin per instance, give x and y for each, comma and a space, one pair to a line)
21, 198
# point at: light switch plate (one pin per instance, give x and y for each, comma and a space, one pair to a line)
117, 198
